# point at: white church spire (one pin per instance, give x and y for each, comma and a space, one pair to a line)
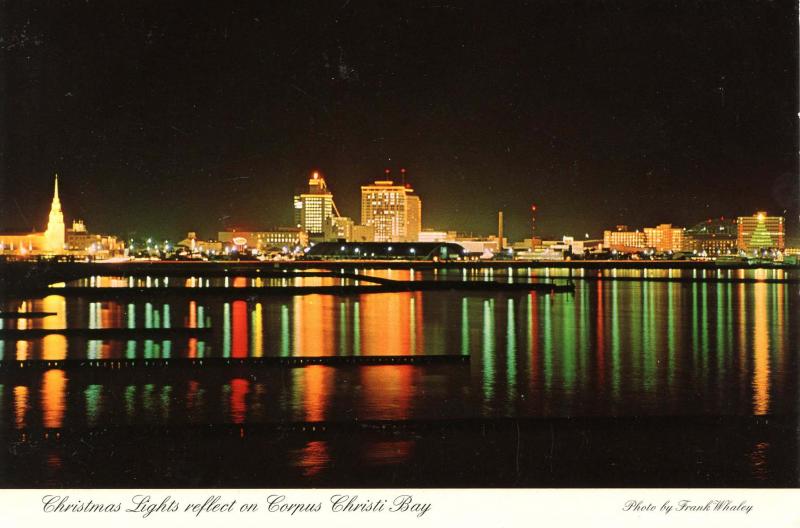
54, 236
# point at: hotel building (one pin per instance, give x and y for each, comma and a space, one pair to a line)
392, 210
275, 238
624, 240
664, 238
760, 231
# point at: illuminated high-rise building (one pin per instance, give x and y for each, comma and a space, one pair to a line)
760, 231
664, 238
413, 216
312, 210
55, 234
392, 210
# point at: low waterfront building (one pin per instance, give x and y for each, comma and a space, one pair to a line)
716, 236
431, 235
565, 248
362, 233
338, 228
79, 240
195, 245
662, 238
624, 240
342, 228
277, 238
20, 242
540, 253
386, 251
479, 245
527, 244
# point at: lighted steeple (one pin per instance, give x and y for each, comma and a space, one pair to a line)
55, 234
56, 201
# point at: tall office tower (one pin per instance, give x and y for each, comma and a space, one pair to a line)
392, 210
314, 208
760, 232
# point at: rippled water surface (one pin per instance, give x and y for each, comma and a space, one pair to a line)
685, 352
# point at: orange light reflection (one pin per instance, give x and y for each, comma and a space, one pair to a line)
54, 384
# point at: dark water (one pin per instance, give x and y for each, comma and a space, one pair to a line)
625, 383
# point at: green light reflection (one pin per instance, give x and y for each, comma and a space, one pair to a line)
511, 349
488, 349
342, 329
226, 330
357, 328
92, 395
284, 330
464, 326
547, 361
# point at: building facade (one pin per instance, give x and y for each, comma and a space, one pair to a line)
624, 240
413, 216
195, 245
431, 251
430, 235
277, 238
392, 210
760, 232
313, 209
338, 228
664, 238
712, 237
362, 233
80, 240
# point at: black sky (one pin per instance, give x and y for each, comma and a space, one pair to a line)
163, 117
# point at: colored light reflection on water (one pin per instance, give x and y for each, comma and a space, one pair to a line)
614, 348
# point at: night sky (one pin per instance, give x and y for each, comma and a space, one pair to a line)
164, 117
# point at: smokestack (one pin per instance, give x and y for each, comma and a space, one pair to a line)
500, 230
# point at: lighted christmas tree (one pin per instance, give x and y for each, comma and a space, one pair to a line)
760, 237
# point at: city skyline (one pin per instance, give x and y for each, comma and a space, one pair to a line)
688, 113
391, 212
520, 220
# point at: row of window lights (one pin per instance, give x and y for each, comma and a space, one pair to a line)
358, 250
